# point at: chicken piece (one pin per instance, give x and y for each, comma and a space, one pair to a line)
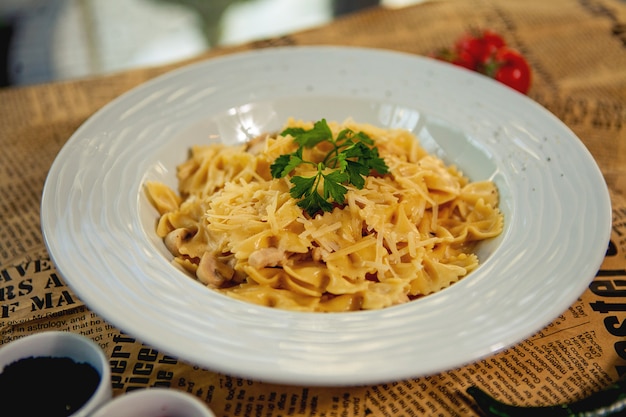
265, 257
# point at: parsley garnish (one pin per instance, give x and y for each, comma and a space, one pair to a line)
351, 158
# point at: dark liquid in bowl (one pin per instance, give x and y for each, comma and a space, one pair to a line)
47, 386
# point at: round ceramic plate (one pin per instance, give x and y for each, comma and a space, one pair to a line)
99, 226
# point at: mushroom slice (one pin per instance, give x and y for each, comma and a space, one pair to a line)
212, 272
175, 239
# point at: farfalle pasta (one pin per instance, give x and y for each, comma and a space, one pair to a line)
404, 235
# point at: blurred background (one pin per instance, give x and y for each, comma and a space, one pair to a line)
49, 40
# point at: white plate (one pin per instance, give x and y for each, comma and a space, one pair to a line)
99, 226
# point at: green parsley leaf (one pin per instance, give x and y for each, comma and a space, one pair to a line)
377, 163
333, 188
303, 186
351, 159
357, 173
284, 164
309, 138
314, 204
278, 167
363, 138
293, 131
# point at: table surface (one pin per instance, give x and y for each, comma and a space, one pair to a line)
577, 51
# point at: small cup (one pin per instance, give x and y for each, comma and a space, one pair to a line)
58, 344
155, 402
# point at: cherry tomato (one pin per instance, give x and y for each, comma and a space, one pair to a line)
492, 43
464, 59
470, 45
479, 44
512, 69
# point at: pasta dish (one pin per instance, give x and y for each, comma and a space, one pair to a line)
404, 234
